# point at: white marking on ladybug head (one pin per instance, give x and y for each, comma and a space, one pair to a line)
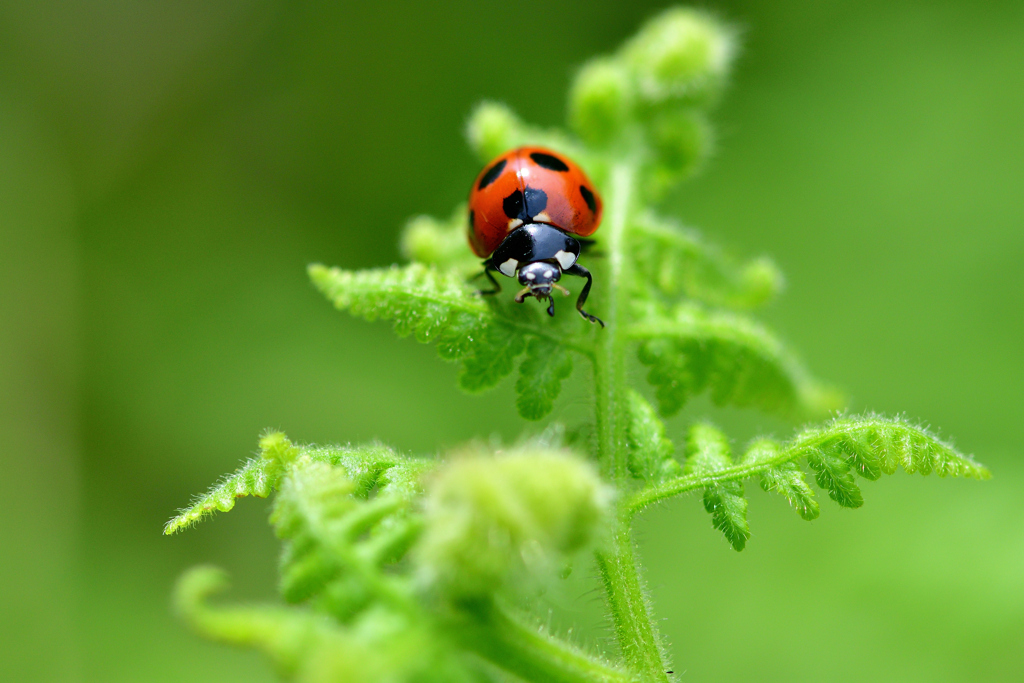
530, 276
514, 223
565, 259
509, 267
542, 217
548, 273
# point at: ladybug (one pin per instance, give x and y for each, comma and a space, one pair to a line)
528, 212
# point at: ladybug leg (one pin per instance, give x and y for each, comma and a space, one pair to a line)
579, 270
496, 285
551, 306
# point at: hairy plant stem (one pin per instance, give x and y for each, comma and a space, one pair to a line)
522, 649
635, 632
609, 361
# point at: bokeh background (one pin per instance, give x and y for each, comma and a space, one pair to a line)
167, 170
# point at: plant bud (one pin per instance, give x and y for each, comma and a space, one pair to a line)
491, 130
762, 281
600, 100
683, 55
489, 519
681, 140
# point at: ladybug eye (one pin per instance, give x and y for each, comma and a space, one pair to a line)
549, 161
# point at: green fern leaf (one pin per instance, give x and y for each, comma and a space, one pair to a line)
286, 635
435, 305
836, 451
650, 452
546, 366
308, 512
707, 452
871, 444
785, 478
336, 542
257, 477
249, 480
676, 261
383, 645
834, 474
739, 362
493, 359
486, 338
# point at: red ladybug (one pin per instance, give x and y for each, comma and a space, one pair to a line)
527, 210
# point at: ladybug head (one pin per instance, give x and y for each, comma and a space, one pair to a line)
539, 277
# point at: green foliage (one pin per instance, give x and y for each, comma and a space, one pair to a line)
650, 452
495, 521
707, 453
691, 350
309, 647
868, 446
486, 338
403, 569
546, 365
257, 477
674, 261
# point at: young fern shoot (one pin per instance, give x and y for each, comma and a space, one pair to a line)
406, 569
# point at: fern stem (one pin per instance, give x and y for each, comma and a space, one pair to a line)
681, 485
634, 630
529, 653
609, 361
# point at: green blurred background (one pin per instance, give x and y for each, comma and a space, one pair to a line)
167, 170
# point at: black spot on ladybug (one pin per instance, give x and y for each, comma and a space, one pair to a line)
471, 217
588, 197
549, 161
513, 204
492, 174
536, 201
516, 205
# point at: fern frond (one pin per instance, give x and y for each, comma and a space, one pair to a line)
287, 635
785, 479
707, 452
257, 477
435, 305
248, 480
868, 445
261, 476
486, 338
676, 261
312, 648
738, 361
546, 366
336, 538
650, 452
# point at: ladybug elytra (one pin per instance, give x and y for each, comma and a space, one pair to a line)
528, 210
